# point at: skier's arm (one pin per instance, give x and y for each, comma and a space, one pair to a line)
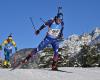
42, 27
48, 23
14, 44
0, 47
4, 43
38, 31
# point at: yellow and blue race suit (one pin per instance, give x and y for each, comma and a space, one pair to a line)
8, 45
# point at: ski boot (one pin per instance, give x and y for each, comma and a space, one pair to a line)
54, 65
32, 54
5, 64
9, 64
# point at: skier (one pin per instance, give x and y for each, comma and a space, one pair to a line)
55, 31
8, 44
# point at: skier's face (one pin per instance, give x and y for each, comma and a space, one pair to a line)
10, 38
58, 21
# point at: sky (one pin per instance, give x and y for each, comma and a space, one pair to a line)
79, 16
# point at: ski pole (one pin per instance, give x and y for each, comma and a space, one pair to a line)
43, 20
32, 23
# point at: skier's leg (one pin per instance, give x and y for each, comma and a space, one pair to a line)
5, 63
9, 55
33, 52
8, 59
55, 46
5, 53
41, 46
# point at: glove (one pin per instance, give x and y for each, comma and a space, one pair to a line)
15, 48
60, 36
37, 32
0, 47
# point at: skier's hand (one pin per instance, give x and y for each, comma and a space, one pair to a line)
16, 49
60, 36
0, 47
37, 32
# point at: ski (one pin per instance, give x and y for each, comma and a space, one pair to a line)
58, 70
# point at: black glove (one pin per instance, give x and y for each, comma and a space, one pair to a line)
0, 47
37, 32
60, 36
16, 49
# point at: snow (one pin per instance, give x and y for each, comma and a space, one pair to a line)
70, 73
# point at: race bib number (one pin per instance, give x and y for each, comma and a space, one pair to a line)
54, 32
9, 47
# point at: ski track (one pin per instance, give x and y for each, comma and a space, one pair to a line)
70, 73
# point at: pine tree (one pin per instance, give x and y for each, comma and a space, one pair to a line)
85, 51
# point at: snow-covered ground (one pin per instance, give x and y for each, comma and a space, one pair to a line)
46, 74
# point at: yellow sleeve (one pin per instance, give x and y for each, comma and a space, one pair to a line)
5, 42
14, 44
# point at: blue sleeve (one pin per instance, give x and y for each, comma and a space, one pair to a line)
49, 22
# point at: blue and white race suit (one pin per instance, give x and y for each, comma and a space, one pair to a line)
52, 38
